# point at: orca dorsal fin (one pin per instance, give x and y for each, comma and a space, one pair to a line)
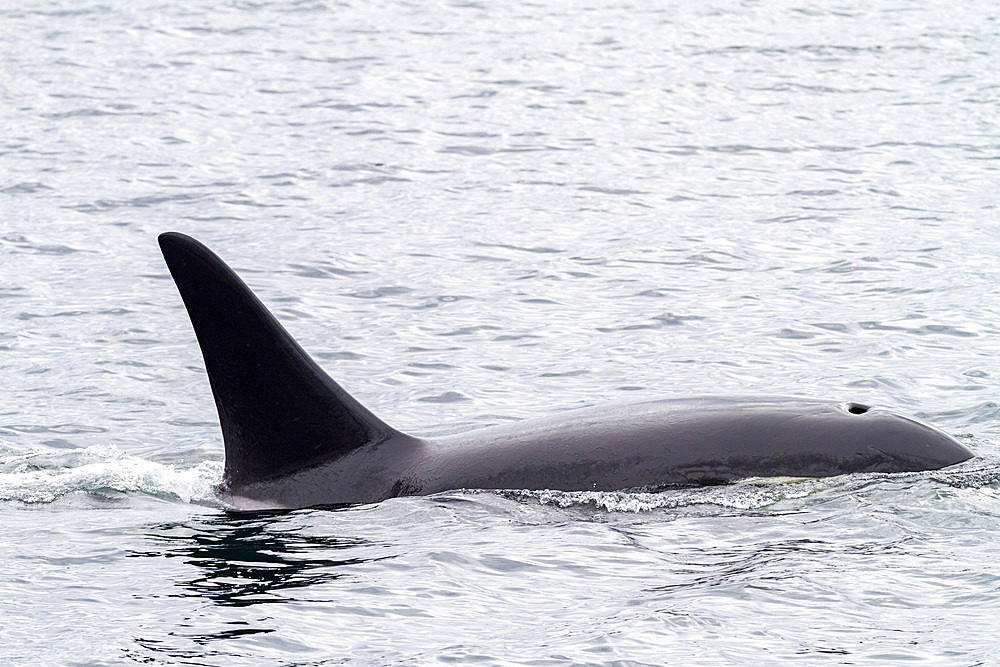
279, 410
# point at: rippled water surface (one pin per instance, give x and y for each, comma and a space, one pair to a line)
474, 213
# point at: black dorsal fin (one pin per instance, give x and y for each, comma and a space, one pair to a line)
279, 410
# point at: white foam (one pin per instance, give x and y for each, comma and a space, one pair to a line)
746, 495
45, 475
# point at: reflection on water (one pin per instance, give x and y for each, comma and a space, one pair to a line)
248, 559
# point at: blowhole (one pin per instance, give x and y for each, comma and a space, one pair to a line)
857, 408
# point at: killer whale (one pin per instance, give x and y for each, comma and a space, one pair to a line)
295, 438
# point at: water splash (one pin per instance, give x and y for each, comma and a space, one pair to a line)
756, 493
749, 494
37, 476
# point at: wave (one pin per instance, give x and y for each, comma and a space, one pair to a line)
745, 495
38, 476
758, 493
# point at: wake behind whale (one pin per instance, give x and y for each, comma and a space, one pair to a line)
294, 438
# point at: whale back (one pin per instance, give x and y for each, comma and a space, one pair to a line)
279, 411
290, 430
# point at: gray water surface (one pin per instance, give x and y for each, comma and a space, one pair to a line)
475, 213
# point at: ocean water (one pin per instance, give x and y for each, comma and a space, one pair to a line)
471, 213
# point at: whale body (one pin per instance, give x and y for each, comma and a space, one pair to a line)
295, 438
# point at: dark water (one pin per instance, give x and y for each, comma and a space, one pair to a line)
473, 213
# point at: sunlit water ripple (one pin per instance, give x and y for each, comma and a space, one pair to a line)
472, 214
